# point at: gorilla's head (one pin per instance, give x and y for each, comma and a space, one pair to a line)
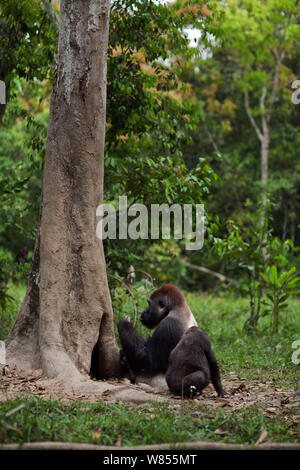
160, 303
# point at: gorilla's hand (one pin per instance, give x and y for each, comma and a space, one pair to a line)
124, 321
223, 394
123, 358
125, 325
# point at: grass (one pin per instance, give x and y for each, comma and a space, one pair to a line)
222, 317
36, 419
263, 356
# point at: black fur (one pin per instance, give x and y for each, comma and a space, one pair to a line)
168, 312
149, 357
193, 365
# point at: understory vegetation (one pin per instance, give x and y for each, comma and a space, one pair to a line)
208, 120
262, 359
36, 419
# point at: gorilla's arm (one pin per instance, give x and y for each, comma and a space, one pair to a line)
133, 346
149, 357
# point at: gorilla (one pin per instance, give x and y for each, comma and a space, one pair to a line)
192, 365
169, 314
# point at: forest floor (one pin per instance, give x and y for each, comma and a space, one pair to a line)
265, 395
257, 412
257, 371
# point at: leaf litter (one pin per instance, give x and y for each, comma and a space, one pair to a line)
268, 398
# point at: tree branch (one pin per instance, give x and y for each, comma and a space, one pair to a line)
196, 445
251, 118
279, 59
130, 292
50, 12
264, 116
213, 142
213, 273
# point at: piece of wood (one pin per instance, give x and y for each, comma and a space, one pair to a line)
197, 445
213, 273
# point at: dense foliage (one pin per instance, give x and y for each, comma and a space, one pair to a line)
179, 113
238, 53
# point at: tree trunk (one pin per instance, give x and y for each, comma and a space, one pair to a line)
67, 309
265, 143
264, 138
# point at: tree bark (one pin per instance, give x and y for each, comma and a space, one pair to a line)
22, 343
265, 144
172, 446
67, 309
264, 138
263, 134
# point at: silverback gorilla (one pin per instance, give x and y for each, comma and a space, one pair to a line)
169, 314
193, 365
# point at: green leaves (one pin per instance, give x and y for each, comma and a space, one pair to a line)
255, 251
278, 289
28, 41
287, 280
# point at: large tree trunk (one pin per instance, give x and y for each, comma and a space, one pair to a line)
68, 303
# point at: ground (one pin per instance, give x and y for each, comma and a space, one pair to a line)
268, 398
247, 401
257, 371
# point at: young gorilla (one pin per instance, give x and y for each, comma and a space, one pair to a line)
193, 365
169, 313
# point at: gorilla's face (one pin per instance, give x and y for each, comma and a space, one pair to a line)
156, 311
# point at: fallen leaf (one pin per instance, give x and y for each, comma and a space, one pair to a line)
262, 437
219, 431
240, 388
5, 379
96, 434
296, 395
284, 401
6, 371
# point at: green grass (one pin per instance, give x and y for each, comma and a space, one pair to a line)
36, 419
262, 357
